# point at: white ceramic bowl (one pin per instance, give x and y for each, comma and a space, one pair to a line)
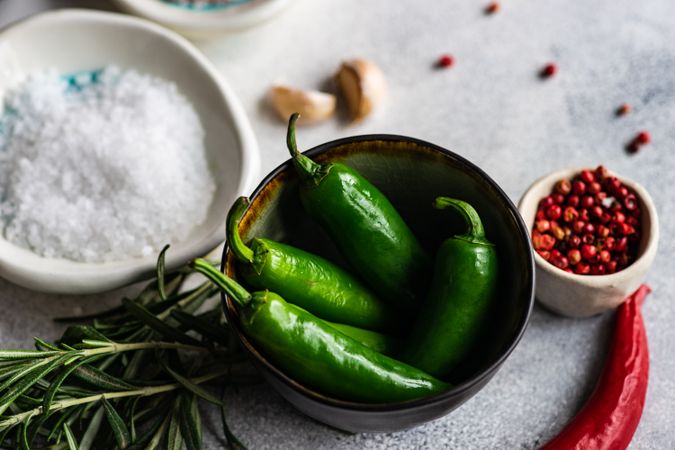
586, 295
202, 23
73, 40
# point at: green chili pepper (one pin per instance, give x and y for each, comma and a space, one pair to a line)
462, 291
381, 343
315, 354
365, 226
306, 280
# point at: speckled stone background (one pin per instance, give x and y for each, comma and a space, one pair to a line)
491, 108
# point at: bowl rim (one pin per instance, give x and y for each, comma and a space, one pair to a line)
528, 199
62, 276
234, 17
455, 390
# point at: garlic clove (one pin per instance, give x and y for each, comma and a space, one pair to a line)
313, 106
363, 85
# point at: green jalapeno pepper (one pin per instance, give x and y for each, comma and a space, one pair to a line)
462, 290
381, 343
306, 280
365, 226
315, 354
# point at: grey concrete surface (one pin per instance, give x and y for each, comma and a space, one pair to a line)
491, 108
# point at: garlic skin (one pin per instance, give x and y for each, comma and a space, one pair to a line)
363, 85
313, 106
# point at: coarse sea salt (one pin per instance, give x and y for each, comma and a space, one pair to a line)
105, 170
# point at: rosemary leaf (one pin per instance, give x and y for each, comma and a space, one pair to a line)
70, 438
101, 379
161, 267
119, 427
174, 437
142, 314
190, 425
92, 429
194, 388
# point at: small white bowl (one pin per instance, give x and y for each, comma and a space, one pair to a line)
586, 295
73, 40
204, 22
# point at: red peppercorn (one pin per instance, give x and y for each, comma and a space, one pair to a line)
588, 239
587, 176
598, 269
623, 109
597, 211
602, 231
583, 215
554, 212
627, 229
589, 228
643, 138
574, 241
579, 187
610, 242
601, 172
587, 201
594, 187
557, 232
621, 245
548, 70
588, 252
563, 187
543, 225
541, 215
573, 201
604, 256
630, 202
605, 218
544, 254
546, 202
446, 61
578, 226
622, 191
492, 8
582, 268
558, 199
574, 256
570, 214
555, 253
611, 266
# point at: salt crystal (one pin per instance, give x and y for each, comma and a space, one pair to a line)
112, 170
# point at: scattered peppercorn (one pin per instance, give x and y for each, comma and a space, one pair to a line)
492, 8
589, 224
548, 71
445, 61
623, 109
640, 139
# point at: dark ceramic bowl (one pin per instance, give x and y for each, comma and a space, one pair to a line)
411, 173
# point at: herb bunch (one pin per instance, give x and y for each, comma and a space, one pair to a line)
126, 378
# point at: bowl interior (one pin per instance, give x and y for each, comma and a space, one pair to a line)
411, 173
89, 40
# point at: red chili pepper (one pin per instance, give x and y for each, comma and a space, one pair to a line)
610, 417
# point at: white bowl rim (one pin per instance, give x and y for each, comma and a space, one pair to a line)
232, 18
86, 278
529, 198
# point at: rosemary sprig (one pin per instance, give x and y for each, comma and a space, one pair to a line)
126, 378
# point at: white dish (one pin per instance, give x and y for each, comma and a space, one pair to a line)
201, 23
73, 40
576, 295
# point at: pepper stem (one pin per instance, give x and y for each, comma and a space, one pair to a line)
475, 231
240, 250
305, 166
240, 295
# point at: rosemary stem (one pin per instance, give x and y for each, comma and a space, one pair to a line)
115, 347
144, 392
